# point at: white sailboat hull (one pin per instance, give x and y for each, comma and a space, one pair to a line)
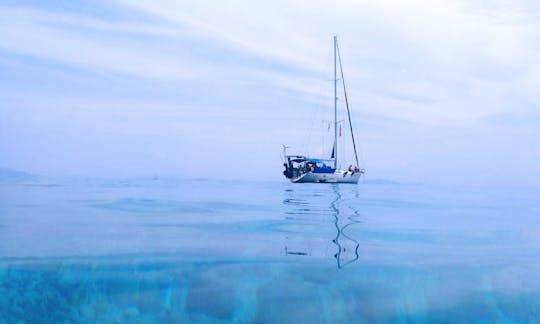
340, 176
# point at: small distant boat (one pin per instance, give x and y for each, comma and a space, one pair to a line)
299, 168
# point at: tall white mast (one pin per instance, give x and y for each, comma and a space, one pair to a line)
335, 104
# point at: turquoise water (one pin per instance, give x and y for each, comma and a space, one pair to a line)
216, 251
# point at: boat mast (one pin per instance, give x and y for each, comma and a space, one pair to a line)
335, 103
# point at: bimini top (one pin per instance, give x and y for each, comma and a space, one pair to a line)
296, 158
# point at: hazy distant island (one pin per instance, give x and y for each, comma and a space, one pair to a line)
381, 181
9, 174
12, 174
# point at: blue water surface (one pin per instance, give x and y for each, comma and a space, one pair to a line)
168, 250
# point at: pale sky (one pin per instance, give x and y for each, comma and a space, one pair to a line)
440, 91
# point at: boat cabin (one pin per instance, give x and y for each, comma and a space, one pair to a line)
297, 165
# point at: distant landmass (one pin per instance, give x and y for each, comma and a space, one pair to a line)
380, 181
11, 174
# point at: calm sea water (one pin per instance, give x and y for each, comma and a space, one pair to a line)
215, 251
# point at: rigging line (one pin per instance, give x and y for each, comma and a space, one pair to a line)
347, 104
335, 148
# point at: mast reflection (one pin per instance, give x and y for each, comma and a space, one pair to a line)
310, 217
347, 246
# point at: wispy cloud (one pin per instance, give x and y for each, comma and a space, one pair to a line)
237, 67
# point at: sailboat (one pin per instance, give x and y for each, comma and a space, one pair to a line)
299, 168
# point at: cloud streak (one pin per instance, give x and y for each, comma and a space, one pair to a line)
240, 75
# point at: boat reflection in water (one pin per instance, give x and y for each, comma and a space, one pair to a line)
321, 223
